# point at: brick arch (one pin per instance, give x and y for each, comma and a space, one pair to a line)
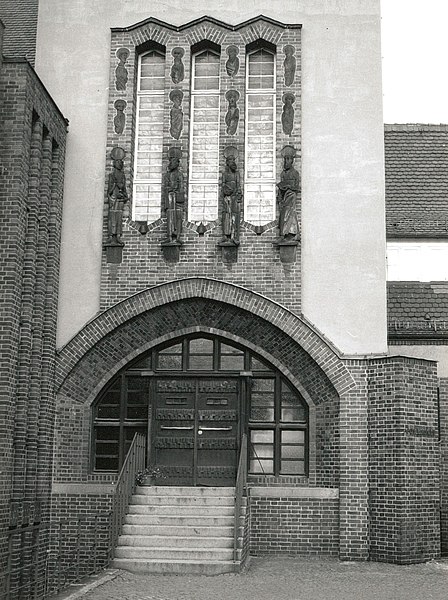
108, 341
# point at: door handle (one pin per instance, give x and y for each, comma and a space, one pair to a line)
215, 429
166, 427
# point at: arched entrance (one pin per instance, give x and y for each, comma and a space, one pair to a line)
193, 397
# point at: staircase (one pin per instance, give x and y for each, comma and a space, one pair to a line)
181, 530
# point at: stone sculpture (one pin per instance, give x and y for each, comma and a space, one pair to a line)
233, 112
117, 197
233, 62
121, 73
177, 69
288, 113
232, 198
173, 197
289, 65
176, 114
287, 193
120, 117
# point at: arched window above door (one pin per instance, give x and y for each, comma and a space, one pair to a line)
268, 408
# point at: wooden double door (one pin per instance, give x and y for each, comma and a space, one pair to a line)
195, 430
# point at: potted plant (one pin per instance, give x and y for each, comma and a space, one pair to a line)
149, 475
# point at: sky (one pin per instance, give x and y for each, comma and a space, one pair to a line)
415, 60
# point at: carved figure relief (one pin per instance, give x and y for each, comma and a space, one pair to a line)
176, 114
120, 117
121, 73
173, 197
177, 69
117, 197
287, 193
288, 113
233, 62
233, 112
232, 198
289, 65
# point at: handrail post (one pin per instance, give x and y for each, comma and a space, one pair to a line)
240, 491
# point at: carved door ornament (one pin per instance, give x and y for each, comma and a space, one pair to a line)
177, 69
176, 113
289, 65
121, 73
288, 113
120, 117
233, 112
233, 62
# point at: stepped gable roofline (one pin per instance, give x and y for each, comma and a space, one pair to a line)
211, 20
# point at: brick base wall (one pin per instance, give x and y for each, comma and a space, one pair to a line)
404, 461
443, 424
291, 525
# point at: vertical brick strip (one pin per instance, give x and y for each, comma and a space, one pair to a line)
353, 490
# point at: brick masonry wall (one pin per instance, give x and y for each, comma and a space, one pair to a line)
258, 267
404, 458
416, 162
443, 415
32, 145
288, 525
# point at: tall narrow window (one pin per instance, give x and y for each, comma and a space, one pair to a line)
259, 189
149, 138
204, 139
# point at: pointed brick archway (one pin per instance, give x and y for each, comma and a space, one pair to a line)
117, 336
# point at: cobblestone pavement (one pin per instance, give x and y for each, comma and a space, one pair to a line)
287, 579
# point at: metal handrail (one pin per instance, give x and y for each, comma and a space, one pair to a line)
240, 492
125, 486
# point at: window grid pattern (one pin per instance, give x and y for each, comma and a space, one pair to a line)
259, 188
149, 138
277, 416
204, 138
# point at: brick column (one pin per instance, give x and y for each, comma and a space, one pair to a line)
404, 460
353, 490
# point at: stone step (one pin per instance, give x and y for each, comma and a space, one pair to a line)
176, 490
180, 530
192, 541
181, 521
163, 553
178, 500
175, 566
180, 511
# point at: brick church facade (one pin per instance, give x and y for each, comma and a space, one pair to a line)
198, 256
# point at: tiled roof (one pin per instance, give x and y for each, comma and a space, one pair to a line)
20, 20
417, 310
416, 158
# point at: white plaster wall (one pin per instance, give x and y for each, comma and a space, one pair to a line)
343, 236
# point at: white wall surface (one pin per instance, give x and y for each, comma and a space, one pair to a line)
343, 233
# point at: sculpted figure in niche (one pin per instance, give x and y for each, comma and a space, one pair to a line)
232, 199
173, 197
233, 112
288, 113
176, 114
120, 118
121, 73
287, 193
233, 62
117, 198
177, 69
289, 65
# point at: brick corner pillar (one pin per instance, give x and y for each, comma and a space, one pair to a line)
353, 482
404, 460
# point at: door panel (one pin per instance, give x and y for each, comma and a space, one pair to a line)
195, 433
